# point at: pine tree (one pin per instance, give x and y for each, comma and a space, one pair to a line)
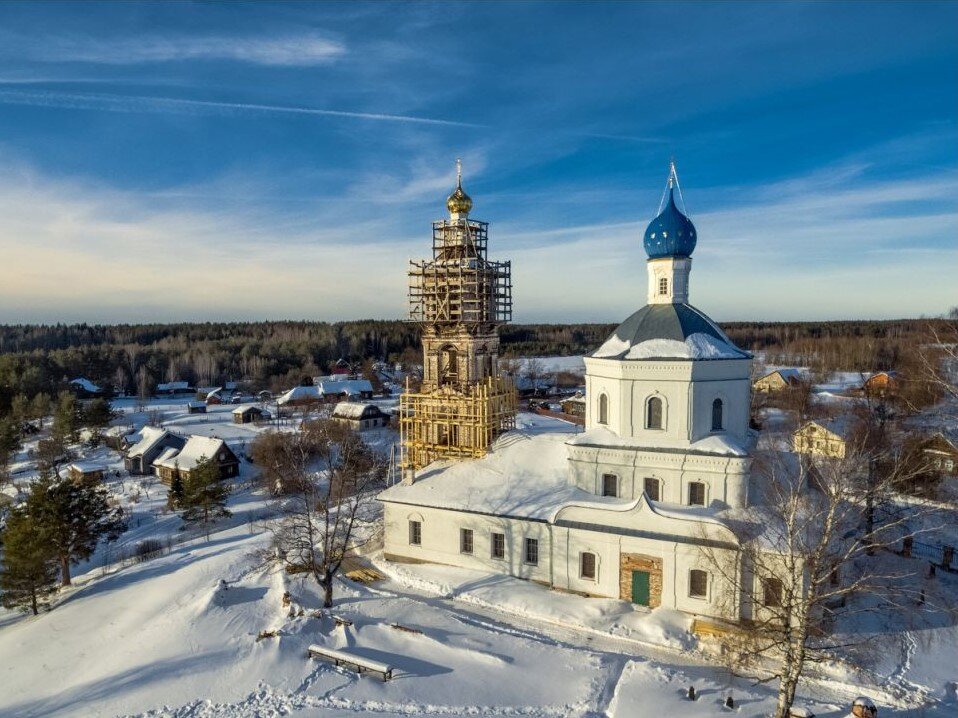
40, 407
66, 418
96, 417
20, 408
205, 494
174, 497
29, 572
74, 517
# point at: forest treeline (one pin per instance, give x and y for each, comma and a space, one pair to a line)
132, 359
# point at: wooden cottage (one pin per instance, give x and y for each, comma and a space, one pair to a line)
196, 407
823, 438
881, 384
941, 454
174, 388
777, 380
196, 450
360, 416
250, 414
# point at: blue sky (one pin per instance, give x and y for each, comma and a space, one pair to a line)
203, 161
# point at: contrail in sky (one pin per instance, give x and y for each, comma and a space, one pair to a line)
168, 105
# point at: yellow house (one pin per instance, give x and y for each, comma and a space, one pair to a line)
777, 380
821, 438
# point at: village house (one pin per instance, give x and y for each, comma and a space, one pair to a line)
360, 416
882, 383
941, 454
250, 414
777, 380
174, 388
85, 389
153, 442
827, 438
196, 450
196, 407
327, 390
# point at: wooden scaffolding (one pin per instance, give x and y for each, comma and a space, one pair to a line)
448, 423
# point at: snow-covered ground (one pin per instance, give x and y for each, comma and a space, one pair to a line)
176, 636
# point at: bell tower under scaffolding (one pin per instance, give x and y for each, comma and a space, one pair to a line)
459, 298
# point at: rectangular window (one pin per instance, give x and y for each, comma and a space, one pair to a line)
772, 592
587, 565
610, 485
652, 489
532, 551
498, 545
698, 583
696, 493
415, 533
465, 540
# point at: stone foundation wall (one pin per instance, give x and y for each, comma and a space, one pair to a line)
629, 562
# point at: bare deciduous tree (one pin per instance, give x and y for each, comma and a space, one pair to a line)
807, 557
325, 479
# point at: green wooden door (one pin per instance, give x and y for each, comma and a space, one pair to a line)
640, 587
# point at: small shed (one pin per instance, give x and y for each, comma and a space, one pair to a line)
196, 407
574, 405
360, 416
86, 471
250, 414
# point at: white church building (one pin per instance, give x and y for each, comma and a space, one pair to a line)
629, 507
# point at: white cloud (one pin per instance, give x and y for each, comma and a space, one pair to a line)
288, 51
81, 251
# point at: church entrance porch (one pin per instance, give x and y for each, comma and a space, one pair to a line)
640, 579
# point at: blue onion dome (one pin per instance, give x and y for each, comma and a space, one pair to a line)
671, 234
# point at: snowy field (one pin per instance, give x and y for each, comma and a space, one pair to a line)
176, 636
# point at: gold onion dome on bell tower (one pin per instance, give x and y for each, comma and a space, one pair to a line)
459, 202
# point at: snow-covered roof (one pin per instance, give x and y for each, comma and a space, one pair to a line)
715, 445
526, 476
668, 331
350, 387
85, 467
173, 386
196, 404
350, 409
300, 393
86, 385
196, 449
150, 436
167, 454
246, 407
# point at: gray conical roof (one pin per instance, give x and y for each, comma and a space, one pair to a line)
662, 331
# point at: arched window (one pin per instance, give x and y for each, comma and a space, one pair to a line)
663, 286
698, 583
603, 409
587, 565
717, 418
448, 365
653, 413
653, 489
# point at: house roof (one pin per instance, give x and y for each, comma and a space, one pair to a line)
195, 449
86, 467
350, 387
300, 393
352, 410
86, 385
247, 407
173, 386
668, 331
150, 436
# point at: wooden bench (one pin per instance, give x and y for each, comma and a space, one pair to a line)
351, 660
